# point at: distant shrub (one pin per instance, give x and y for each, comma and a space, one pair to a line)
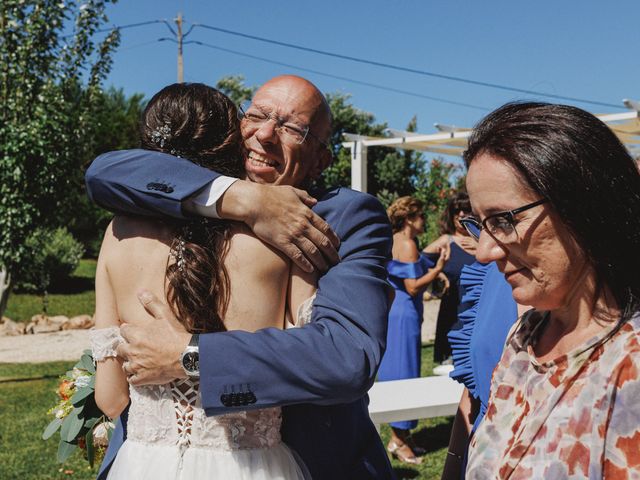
53, 254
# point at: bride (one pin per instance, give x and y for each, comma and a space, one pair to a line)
217, 276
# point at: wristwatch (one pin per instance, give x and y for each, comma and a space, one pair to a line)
190, 358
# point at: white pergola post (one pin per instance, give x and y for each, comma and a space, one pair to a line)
359, 166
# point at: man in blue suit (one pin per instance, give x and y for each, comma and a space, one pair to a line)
319, 373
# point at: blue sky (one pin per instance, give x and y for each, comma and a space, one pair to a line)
587, 49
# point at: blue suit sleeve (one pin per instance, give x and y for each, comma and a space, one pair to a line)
335, 358
143, 182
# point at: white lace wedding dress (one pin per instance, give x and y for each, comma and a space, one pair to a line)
169, 436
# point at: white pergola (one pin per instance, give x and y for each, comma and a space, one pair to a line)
451, 140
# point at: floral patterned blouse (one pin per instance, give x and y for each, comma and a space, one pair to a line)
577, 416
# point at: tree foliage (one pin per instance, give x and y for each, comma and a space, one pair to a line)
233, 87
116, 120
55, 254
51, 69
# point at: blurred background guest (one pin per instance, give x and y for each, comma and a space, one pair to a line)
556, 198
463, 248
409, 274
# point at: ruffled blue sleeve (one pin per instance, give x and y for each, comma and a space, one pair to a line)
410, 270
471, 282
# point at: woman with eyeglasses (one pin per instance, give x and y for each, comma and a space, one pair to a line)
556, 202
463, 248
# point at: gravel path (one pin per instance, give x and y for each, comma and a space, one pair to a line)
69, 344
44, 347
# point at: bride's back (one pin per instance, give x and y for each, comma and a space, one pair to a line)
135, 253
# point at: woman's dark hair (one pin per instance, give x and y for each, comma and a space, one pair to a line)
457, 203
402, 209
572, 159
201, 125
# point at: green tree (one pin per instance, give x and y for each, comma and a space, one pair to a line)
116, 120
51, 69
348, 119
233, 87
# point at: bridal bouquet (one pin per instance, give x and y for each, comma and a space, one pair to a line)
80, 421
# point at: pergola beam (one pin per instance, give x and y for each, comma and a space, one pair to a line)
452, 140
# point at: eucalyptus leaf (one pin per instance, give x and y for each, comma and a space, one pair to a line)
86, 363
91, 451
51, 428
91, 423
64, 450
71, 426
81, 395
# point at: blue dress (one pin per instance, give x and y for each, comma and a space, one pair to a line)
402, 356
487, 313
448, 312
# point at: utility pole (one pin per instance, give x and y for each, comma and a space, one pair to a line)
179, 38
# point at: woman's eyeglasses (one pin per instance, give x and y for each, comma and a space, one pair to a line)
501, 226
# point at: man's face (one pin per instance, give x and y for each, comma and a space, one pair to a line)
275, 157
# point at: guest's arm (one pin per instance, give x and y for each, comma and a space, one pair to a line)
408, 253
459, 440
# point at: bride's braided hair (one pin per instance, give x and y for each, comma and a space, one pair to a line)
200, 124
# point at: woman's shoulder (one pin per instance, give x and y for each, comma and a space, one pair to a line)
404, 249
440, 242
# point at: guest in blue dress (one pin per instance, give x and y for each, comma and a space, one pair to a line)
463, 249
487, 313
409, 274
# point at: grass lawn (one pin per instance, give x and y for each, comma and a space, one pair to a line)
27, 391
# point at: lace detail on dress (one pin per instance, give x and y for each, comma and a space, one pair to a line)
172, 414
303, 315
104, 342
184, 393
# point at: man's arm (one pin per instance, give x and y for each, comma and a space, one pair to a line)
142, 182
336, 357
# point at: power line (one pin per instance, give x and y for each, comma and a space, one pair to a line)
122, 27
405, 69
359, 82
131, 25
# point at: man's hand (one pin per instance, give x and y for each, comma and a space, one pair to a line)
153, 347
281, 216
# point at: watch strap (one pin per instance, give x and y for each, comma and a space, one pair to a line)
195, 338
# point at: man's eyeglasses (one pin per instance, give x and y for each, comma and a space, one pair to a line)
287, 131
501, 226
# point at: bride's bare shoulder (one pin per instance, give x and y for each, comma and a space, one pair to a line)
128, 234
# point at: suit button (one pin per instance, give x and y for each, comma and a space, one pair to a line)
169, 189
224, 399
152, 186
251, 398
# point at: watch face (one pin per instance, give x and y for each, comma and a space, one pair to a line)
190, 362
